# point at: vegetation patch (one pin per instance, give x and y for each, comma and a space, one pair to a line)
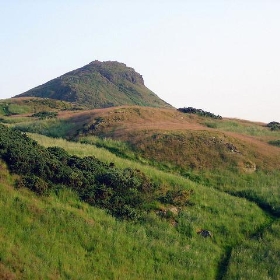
18, 106
99, 85
275, 143
9, 109
274, 126
258, 257
123, 192
45, 115
241, 127
200, 112
51, 127
231, 220
259, 187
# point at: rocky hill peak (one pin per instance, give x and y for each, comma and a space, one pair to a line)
98, 85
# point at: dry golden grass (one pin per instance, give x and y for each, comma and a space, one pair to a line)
167, 135
155, 132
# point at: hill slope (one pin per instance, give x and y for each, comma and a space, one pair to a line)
160, 135
230, 186
59, 237
170, 137
99, 85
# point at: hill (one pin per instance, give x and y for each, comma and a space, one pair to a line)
55, 235
169, 137
130, 194
99, 85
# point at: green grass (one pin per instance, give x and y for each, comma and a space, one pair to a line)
241, 127
81, 242
8, 108
58, 237
78, 241
232, 219
260, 187
15, 106
116, 147
50, 127
13, 121
257, 258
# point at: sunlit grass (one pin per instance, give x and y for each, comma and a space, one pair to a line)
15, 120
50, 127
261, 187
60, 237
258, 257
242, 127
77, 239
205, 198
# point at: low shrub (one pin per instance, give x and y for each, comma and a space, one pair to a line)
275, 143
33, 183
200, 112
274, 125
45, 115
125, 193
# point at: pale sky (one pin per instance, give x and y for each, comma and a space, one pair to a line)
219, 56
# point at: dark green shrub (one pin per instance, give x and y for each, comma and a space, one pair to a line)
45, 115
125, 193
33, 183
122, 192
200, 112
274, 125
177, 197
275, 143
211, 125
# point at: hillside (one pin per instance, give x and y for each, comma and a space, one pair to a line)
56, 235
99, 85
25, 106
169, 137
130, 194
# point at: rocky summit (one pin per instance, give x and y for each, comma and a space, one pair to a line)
99, 85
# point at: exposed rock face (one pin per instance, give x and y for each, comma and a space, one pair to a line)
110, 70
99, 85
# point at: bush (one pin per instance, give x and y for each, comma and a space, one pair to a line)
274, 125
125, 193
275, 143
200, 112
45, 115
33, 183
177, 197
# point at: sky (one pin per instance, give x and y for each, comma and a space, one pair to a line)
220, 56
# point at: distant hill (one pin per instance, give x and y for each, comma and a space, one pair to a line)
99, 85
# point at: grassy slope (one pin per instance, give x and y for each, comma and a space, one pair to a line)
198, 148
99, 85
31, 105
172, 138
177, 252
229, 224
260, 255
76, 239
61, 238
